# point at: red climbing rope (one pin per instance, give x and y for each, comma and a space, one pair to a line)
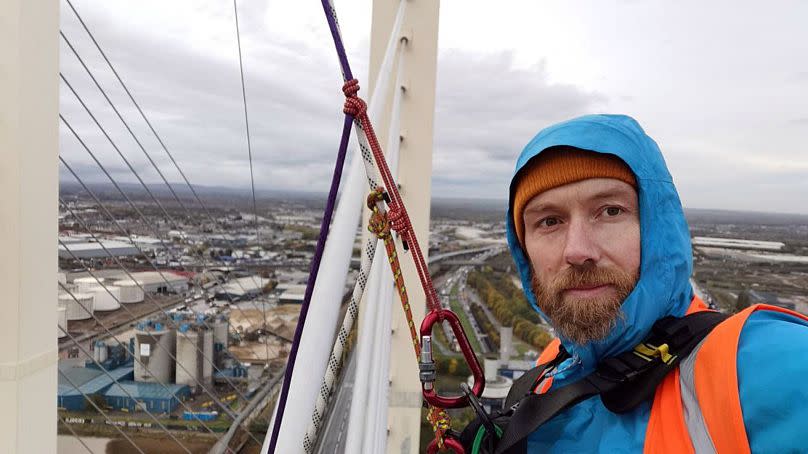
397, 219
397, 213
380, 225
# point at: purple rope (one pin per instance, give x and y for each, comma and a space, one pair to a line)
331, 16
314, 269
324, 226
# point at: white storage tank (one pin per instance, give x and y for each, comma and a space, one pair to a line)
61, 317
79, 305
105, 299
221, 324
100, 352
84, 284
154, 348
131, 291
195, 353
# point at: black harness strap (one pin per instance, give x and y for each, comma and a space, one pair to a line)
623, 381
525, 384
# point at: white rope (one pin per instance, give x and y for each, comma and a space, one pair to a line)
376, 416
369, 249
335, 361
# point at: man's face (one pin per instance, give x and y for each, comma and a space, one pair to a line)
583, 241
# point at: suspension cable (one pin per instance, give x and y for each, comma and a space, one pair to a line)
75, 435
153, 229
97, 408
137, 106
134, 358
225, 408
125, 123
249, 149
118, 150
126, 233
114, 380
159, 308
246, 117
151, 263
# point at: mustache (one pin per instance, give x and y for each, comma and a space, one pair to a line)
584, 320
588, 276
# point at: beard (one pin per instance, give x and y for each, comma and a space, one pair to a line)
584, 319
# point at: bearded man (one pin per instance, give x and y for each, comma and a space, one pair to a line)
597, 231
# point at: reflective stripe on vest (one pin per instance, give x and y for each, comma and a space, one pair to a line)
697, 408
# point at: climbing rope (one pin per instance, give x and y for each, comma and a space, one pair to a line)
399, 218
380, 225
335, 359
395, 218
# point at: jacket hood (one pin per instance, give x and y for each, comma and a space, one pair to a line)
666, 257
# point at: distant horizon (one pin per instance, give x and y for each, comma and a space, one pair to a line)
316, 196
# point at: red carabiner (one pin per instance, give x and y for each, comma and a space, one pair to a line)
448, 442
428, 388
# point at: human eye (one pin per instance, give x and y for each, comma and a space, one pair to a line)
612, 211
548, 222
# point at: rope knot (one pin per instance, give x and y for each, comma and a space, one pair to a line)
375, 196
379, 225
354, 105
399, 221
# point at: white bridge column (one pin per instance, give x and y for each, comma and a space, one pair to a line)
414, 175
29, 179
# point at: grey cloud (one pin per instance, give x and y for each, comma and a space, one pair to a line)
486, 111
194, 101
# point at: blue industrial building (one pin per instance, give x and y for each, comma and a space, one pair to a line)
117, 389
88, 381
133, 396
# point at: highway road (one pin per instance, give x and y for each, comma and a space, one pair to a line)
335, 430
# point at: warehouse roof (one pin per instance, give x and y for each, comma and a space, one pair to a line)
89, 381
153, 277
95, 249
144, 390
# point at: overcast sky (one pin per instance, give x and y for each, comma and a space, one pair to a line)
722, 86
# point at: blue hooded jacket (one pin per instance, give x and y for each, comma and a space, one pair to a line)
663, 289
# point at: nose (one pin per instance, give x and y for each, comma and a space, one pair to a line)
581, 245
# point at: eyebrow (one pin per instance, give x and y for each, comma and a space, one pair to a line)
610, 193
601, 195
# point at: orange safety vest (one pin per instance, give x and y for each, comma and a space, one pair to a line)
705, 384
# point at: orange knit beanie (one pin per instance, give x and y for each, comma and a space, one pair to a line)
560, 166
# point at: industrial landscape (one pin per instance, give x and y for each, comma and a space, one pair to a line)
183, 326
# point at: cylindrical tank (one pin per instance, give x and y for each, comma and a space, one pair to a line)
221, 325
207, 364
131, 291
154, 347
84, 284
100, 352
491, 368
194, 352
78, 308
505, 343
105, 299
61, 317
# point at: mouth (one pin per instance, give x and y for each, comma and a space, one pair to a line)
587, 291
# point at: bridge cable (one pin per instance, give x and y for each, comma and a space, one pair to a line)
150, 262
134, 358
132, 169
86, 108
249, 155
125, 123
142, 114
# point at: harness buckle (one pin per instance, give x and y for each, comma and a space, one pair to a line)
649, 352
